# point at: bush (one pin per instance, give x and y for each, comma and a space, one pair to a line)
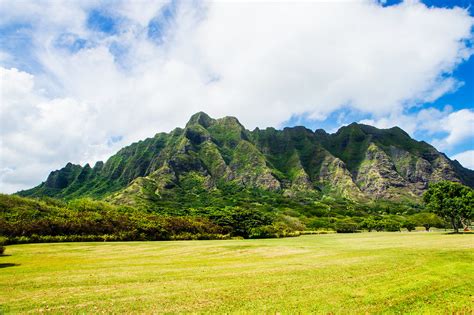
291, 223
409, 225
266, 231
369, 224
319, 223
391, 225
345, 226
317, 232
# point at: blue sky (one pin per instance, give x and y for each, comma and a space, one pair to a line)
460, 98
81, 79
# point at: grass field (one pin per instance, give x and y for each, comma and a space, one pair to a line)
338, 273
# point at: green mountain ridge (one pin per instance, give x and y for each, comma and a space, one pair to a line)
358, 162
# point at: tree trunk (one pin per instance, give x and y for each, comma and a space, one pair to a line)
455, 225
465, 224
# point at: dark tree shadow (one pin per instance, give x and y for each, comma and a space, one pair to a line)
459, 233
8, 265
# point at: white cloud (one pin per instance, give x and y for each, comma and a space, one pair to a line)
317, 57
39, 134
459, 125
466, 158
139, 11
261, 62
447, 128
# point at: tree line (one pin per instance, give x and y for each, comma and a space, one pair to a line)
253, 215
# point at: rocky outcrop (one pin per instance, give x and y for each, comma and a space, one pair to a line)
334, 174
248, 167
377, 176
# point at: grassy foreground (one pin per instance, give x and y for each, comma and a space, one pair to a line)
339, 273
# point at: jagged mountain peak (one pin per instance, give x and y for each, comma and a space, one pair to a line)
358, 161
205, 121
368, 129
321, 132
297, 129
201, 118
230, 120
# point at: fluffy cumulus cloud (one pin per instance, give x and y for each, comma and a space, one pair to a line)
40, 133
459, 125
446, 127
99, 76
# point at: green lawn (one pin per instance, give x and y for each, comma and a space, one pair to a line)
339, 273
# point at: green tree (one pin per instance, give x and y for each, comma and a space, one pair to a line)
390, 225
241, 221
428, 220
409, 225
369, 224
451, 201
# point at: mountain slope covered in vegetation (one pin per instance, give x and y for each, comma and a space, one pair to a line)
222, 159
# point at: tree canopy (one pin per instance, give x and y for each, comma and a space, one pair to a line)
452, 201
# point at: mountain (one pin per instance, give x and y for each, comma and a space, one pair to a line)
358, 162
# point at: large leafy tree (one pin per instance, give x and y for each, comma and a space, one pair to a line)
452, 201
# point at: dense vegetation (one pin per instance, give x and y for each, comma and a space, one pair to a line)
248, 214
231, 211
216, 179
25, 220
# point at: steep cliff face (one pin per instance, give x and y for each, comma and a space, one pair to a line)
377, 175
249, 168
335, 176
357, 162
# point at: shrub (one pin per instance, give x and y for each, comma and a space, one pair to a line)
317, 232
266, 231
291, 223
319, 223
391, 225
409, 225
369, 224
345, 226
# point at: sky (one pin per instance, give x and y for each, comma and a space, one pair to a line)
81, 79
